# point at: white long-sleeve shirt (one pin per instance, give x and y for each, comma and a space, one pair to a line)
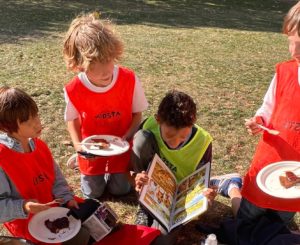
266, 109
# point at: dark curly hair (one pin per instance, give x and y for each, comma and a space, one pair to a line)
177, 109
16, 106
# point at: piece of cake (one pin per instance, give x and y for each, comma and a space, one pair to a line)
58, 224
101, 143
289, 179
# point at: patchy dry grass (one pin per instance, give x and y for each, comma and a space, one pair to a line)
221, 52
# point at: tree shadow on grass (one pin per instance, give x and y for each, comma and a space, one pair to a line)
25, 19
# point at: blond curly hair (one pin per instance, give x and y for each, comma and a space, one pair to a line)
292, 20
90, 39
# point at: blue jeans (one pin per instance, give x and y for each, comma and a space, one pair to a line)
92, 186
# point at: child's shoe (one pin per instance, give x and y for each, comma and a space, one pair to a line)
226, 182
73, 162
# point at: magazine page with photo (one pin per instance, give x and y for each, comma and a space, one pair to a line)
174, 203
101, 222
190, 201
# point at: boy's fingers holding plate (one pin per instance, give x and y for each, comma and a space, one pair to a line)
55, 201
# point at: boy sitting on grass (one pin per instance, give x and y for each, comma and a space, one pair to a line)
182, 144
30, 180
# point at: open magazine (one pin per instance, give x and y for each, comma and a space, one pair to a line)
173, 203
101, 222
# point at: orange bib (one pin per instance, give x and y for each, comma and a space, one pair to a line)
108, 113
33, 175
285, 146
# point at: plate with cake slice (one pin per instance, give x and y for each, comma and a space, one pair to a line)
280, 179
53, 225
104, 145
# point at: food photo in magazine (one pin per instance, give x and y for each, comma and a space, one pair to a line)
174, 203
101, 222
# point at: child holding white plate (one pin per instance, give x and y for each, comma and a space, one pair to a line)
103, 99
30, 180
279, 111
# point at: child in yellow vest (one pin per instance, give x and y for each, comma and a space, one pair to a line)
172, 134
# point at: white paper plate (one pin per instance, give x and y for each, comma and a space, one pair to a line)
268, 179
39, 231
117, 145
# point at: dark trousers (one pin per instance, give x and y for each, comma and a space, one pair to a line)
260, 226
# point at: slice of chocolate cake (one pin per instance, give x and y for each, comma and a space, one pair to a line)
58, 224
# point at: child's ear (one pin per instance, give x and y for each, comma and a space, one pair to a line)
157, 118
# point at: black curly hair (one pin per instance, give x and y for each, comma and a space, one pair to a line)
177, 109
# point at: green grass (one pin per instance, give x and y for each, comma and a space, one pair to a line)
221, 52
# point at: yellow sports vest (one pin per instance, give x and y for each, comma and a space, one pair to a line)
185, 160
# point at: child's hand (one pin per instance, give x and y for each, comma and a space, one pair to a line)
86, 155
78, 147
33, 207
72, 204
210, 194
126, 136
251, 125
140, 180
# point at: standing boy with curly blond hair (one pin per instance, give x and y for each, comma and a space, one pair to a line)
103, 99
